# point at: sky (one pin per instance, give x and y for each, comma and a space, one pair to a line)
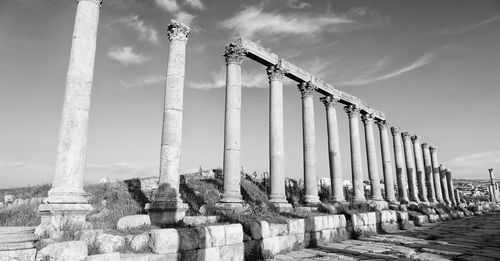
433, 68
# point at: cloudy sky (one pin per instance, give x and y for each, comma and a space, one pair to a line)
432, 66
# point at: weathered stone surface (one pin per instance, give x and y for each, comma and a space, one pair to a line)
71, 250
21, 255
7, 199
235, 252
150, 257
433, 218
140, 242
296, 226
234, 234
109, 243
278, 229
253, 230
218, 235
270, 246
17, 238
419, 219
133, 222
189, 239
199, 220
114, 256
164, 241
208, 254
88, 235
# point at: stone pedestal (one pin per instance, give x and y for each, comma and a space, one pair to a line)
435, 173
410, 167
429, 180
234, 54
419, 166
371, 155
386, 163
167, 207
309, 143
276, 138
67, 188
356, 165
334, 149
399, 162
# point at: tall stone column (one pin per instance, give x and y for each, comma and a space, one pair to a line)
492, 176
457, 196
386, 162
444, 184
410, 165
399, 162
66, 198
167, 207
356, 165
435, 172
276, 138
450, 187
232, 127
309, 142
431, 192
334, 149
371, 155
419, 166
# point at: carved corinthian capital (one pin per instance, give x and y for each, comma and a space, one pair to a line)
329, 101
382, 124
415, 138
177, 31
406, 135
98, 2
395, 130
275, 73
425, 146
352, 111
432, 148
306, 89
367, 118
234, 53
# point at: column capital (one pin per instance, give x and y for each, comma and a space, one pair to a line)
177, 31
234, 53
447, 170
98, 2
329, 101
490, 170
275, 73
406, 135
382, 124
415, 138
352, 111
395, 130
367, 118
425, 146
306, 89
432, 148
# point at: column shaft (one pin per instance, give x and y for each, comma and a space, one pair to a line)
386, 162
444, 185
431, 193
309, 143
436, 171
334, 149
419, 166
356, 165
371, 155
450, 187
410, 167
399, 162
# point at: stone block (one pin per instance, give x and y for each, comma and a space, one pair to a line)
88, 235
386, 216
22, 254
296, 226
339, 234
164, 241
234, 234
200, 220
433, 218
299, 241
70, 250
140, 242
235, 252
8, 199
217, 234
325, 235
314, 223
417, 218
253, 230
287, 242
189, 239
150, 257
133, 222
208, 254
109, 243
266, 231
402, 215
17, 238
115, 256
278, 229
270, 246
444, 216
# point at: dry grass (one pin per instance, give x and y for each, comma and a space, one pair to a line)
22, 215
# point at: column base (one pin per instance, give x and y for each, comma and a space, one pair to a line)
61, 196
311, 199
164, 213
379, 204
231, 198
280, 203
57, 217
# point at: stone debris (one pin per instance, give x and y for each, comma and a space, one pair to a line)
70, 250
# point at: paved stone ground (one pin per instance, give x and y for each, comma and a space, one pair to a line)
470, 238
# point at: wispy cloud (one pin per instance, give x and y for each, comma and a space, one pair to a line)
254, 20
142, 81
170, 6
249, 79
173, 8
185, 17
474, 165
126, 56
471, 27
145, 32
372, 74
195, 4
296, 4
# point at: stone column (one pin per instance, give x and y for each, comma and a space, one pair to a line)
232, 127
431, 193
66, 198
276, 138
399, 162
334, 149
386, 162
309, 142
450, 187
444, 184
436, 171
457, 196
356, 165
492, 176
419, 166
371, 155
410, 165
167, 207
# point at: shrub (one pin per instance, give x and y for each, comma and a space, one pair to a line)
21, 215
